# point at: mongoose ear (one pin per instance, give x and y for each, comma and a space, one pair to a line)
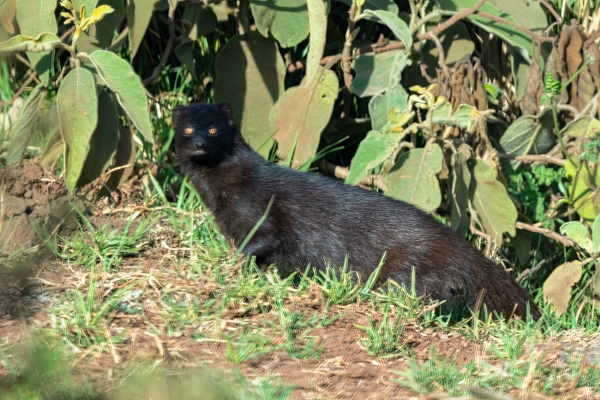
227, 110
178, 113
178, 110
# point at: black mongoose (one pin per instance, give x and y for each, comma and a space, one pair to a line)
317, 220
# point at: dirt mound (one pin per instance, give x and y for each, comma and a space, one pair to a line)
32, 200
34, 205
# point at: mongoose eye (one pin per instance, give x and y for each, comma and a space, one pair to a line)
188, 131
212, 131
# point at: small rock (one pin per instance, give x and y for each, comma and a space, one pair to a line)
28, 194
18, 189
14, 205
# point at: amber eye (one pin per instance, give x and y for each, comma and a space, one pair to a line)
188, 131
212, 131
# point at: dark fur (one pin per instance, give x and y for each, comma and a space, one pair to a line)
316, 219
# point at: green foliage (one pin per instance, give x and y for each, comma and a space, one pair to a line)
37, 20
198, 21
341, 286
529, 135
372, 151
414, 177
118, 76
139, 13
528, 15
496, 212
585, 178
459, 192
250, 75
44, 42
78, 116
531, 189
73, 102
381, 104
584, 127
303, 112
23, 127
379, 72
396, 25
286, 20
102, 247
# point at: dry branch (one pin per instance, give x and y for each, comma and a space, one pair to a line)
554, 13
342, 173
423, 36
441, 55
530, 271
531, 158
546, 232
347, 61
325, 61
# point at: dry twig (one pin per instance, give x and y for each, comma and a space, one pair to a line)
423, 36
347, 60
342, 173
531, 158
441, 55
529, 271
546, 232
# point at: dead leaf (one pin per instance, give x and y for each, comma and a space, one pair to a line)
530, 105
301, 114
569, 60
468, 85
558, 286
594, 67
586, 88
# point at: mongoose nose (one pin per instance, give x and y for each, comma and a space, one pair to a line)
200, 144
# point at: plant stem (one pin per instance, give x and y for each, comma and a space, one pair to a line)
572, 194
558, 135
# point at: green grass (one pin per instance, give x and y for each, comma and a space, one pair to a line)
384, 338
435, 374
102, 246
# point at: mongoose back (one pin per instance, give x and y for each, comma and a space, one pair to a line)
319, 221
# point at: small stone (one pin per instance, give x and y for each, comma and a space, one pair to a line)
28, 194
14, 205
18, 189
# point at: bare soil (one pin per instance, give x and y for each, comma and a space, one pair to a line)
34, 205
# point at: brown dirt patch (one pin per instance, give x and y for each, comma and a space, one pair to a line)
33, 199
33, 204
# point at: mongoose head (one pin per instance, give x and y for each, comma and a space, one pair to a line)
204, 133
